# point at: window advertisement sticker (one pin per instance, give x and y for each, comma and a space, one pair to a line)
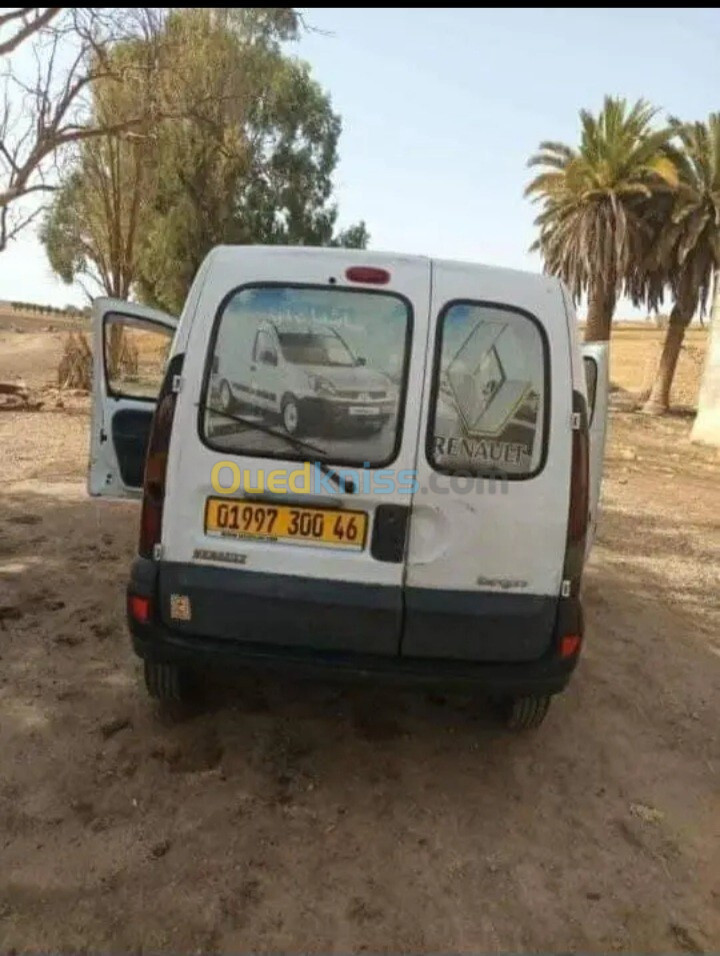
488, 415
319, 364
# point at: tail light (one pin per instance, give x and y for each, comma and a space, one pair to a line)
139, 608
569, 645
368, 274
156, 462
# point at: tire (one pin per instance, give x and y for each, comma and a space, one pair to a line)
226, 399
291, 419
168, 683
526, 713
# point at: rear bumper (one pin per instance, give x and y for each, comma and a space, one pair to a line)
271, 632
539, 677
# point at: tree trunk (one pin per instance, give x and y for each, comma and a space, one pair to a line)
114, 344
707, 423
601, 305
659, 401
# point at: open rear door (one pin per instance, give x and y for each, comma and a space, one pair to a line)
131, 344
596, 360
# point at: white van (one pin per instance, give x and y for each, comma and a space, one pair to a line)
304, 376
367, 462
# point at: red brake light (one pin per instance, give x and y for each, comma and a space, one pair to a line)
368, 274
569, 645
140, 608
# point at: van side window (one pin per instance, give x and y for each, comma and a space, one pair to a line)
264, 351
489, 393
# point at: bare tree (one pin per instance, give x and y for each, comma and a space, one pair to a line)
94, 224
46, 107
24, 21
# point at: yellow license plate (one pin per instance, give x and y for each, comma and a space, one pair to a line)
270, 522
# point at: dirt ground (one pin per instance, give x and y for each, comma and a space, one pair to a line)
319, 817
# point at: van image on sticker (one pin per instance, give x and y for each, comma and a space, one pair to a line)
442, 413
298, 371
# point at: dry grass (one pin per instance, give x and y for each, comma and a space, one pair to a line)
634, 354
76, 363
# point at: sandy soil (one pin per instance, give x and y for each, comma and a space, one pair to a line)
319, 817
31, 346
635, 353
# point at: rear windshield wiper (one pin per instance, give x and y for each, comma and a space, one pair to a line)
343, 484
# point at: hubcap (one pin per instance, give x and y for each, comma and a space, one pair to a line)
290, 417
225, 396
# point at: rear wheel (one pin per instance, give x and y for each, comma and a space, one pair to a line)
169, 683
292, 422
226, 399
526, 713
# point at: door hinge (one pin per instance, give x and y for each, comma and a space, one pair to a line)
575, 421
177, 383
565, 588
157, 552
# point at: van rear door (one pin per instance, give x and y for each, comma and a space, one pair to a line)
596, 360
489, 523
130, 349
297, 356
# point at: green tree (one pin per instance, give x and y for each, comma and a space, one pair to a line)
592, 231
354, 237
254, 165
243, 151
686, 249
93, 229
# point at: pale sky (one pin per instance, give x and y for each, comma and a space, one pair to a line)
441, 109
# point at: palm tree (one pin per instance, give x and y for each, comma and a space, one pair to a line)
593, 234
707, 423
686, 251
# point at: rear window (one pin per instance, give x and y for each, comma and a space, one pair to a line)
489, 393
324, 366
